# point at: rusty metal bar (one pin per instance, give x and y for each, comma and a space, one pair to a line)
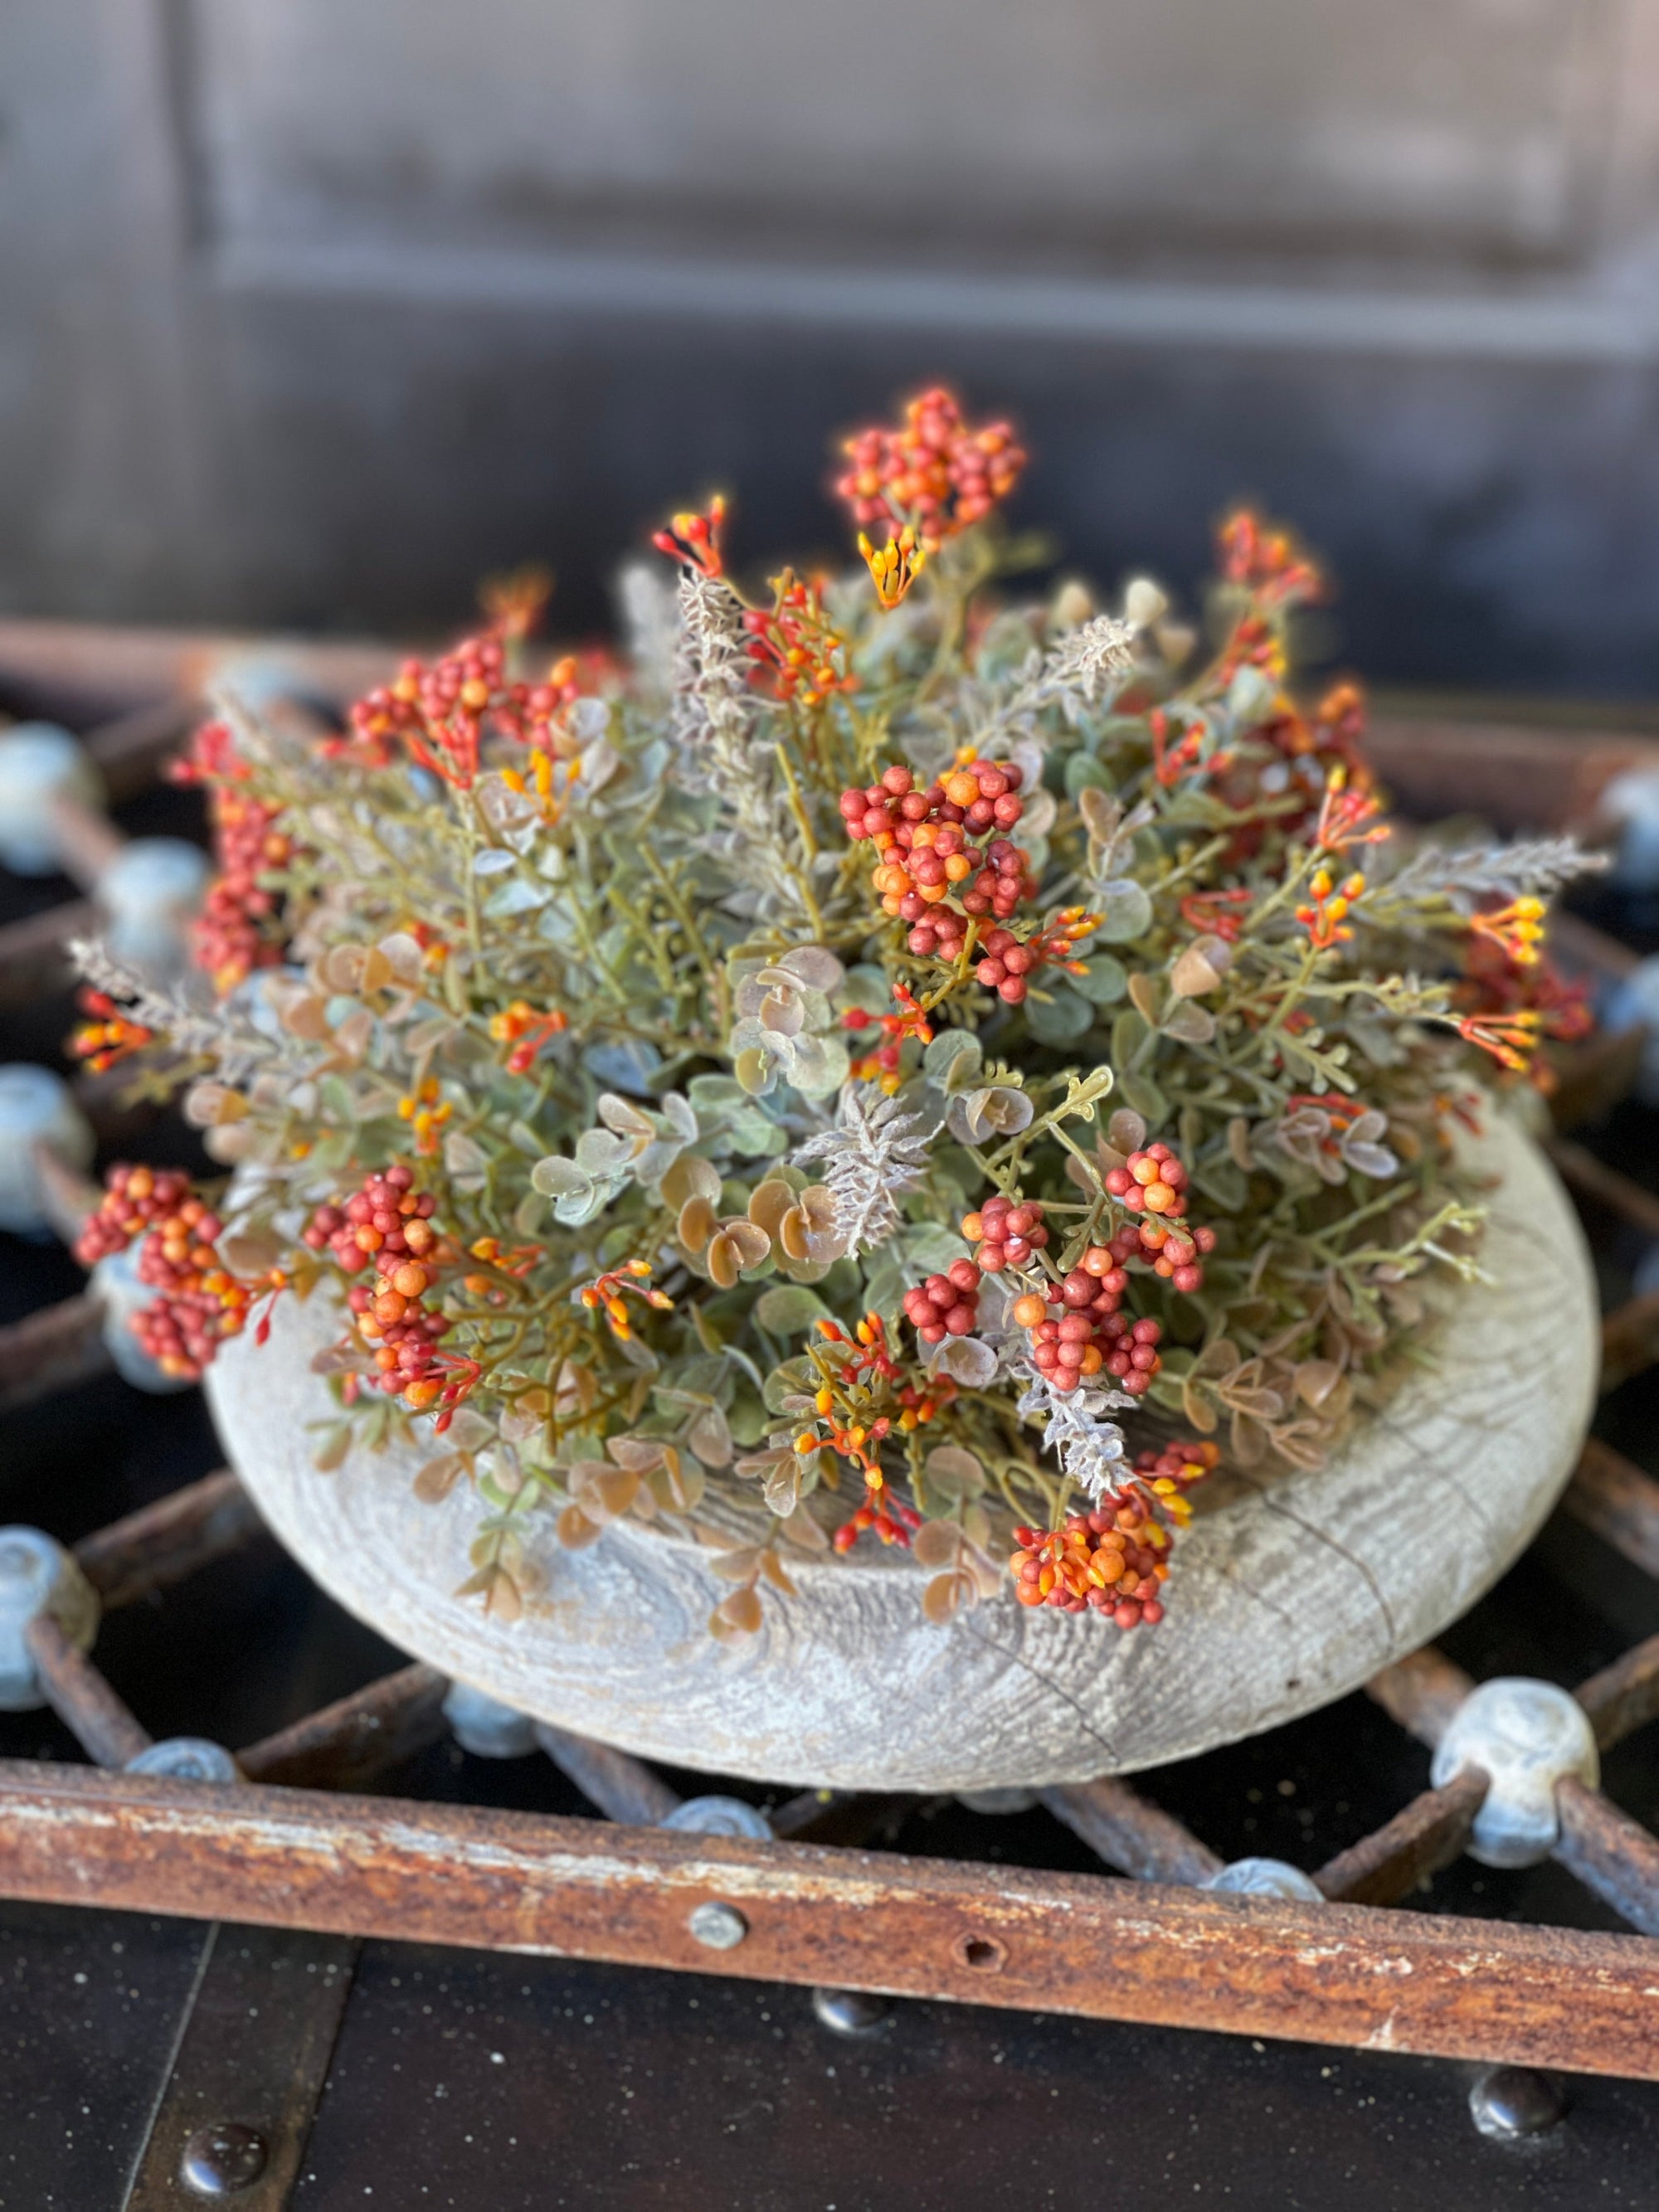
161, 1544
50, 1350
1624, 1696
1630, 1339
1581, 1170
1610, 1853
131, 749
33, 960
1137, 1838
1428, 1834
356, 1737
86, 840
1421, 1692
623, 1788
1613, 1496
1079, 1944
78, 1693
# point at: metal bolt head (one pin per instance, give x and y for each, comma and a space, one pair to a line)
719, 1816
186, 1759
223, 2158
851, 2012
718, 1927
1511, 2102
1268, 1878
1527, 1735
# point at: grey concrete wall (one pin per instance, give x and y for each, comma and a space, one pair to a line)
311, 312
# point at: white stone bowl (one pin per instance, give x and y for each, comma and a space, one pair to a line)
1290, 1594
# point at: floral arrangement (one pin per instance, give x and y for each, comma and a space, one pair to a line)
805, 1078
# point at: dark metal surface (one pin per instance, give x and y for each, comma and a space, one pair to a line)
252, 2057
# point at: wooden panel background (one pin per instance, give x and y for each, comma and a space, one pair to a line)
310, 313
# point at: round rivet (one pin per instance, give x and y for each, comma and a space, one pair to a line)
997, 1802
223, 2158
1513, 2101
718, 1927
1268, 1878
719, 1816
484, 1726
185, 1758
850, 2012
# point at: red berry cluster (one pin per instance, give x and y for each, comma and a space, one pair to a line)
923, 837
794, 643
934, 471
1111, 1561
200, 1303
1090, 1336
1182, 1461
892, 1519
1154, 1182
388, 1222
233, 933
439, 713
944, 1305
1006, 1232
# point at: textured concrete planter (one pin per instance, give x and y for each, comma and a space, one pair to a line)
1286, 1595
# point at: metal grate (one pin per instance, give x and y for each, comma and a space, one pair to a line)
297, 1842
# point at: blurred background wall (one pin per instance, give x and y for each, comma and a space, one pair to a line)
312, 311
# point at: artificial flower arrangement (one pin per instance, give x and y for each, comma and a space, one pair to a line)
803, 1079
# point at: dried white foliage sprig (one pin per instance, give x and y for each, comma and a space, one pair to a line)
1090, 1448
1465, 874
876, 1152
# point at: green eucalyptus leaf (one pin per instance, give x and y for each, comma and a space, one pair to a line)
789, 1309
1058, 1015
1104, 982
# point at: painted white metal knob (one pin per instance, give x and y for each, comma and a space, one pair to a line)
39, 763
719, 1816
1633, 1002
1268, 1878
999, 1801
36, 1108
485, 1726
37, 1576
1527, 1735
150, 892
116, 1286
186, 1759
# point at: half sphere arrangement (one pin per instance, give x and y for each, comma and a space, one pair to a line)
895, 1186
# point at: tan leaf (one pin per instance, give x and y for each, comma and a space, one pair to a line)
770, 1201
740, 1612
695, 1225
575, 1529
944, 1595
439, 1477
937, 1543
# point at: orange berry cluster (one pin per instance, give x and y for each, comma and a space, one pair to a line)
604, 1295
201, 1304
923, 838
107, 1036
795, 643
847, 1402
935, 471
1109, 1561
389, 1223
1180, 1464
233, 933
526, 1032
439, 713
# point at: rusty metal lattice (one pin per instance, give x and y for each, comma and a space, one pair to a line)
297, 1842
